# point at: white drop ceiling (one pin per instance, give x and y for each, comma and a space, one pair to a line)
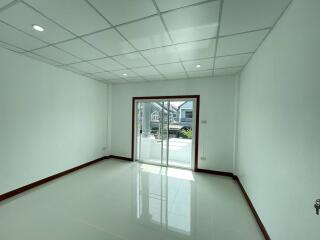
120, 41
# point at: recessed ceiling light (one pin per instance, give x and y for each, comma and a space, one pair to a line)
124, 74
37, 28
198, 65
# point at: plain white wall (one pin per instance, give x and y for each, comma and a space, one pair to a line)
216, 140
50, 120
279, 135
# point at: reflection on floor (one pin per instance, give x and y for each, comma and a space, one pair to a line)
116, 200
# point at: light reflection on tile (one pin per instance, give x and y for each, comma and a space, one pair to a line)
122, 200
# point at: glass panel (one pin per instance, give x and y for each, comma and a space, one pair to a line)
149, 131
180, 133
165, 133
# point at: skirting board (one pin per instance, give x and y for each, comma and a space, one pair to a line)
121, 158
254, 212
55, 176
220, 173
47, 179
256, 216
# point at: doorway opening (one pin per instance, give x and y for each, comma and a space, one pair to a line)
166, 130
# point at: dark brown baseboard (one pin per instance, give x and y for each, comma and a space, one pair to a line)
220, 173
254, 212
256, 216
121, 158
47, 179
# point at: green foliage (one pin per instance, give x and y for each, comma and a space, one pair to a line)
187, 133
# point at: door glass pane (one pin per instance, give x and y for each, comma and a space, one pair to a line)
149, 134
180, 133
165, 133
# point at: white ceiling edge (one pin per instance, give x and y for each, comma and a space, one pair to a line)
40, 59
61, 67
182, 79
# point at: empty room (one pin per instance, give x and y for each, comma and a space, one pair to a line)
159, 119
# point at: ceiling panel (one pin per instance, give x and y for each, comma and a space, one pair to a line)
202, 25
56, 55
146, 71
226, 71
132, 60
86, 67
173, 76
17, 38
3, 3
107, 64
110, 42
232, 61
135, 79
71, 14
111, 32
104, 75
161, 55
129, 73
40, 58
81, 49
147, 33
11, 47
196, 50
71, 69
170, 68
154, 77
23, 17
200, 74
246, 15
120, 11
205, 64
165, 5
240, 43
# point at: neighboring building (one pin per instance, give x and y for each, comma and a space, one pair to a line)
185, 114
180, 117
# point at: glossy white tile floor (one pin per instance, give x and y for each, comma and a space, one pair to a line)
115, 200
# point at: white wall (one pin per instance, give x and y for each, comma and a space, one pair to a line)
50, 120
216, 106
279, 135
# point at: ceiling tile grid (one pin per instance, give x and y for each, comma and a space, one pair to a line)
74, 15
147, 33
199, 65
110, 42
108, 64
132, 60
170, 68
86, 67
3, 3
232, 61
193, 23
23, 17
57, 55
142, 40
81, 49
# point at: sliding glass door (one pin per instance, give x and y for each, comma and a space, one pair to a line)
164, 132
150, 129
